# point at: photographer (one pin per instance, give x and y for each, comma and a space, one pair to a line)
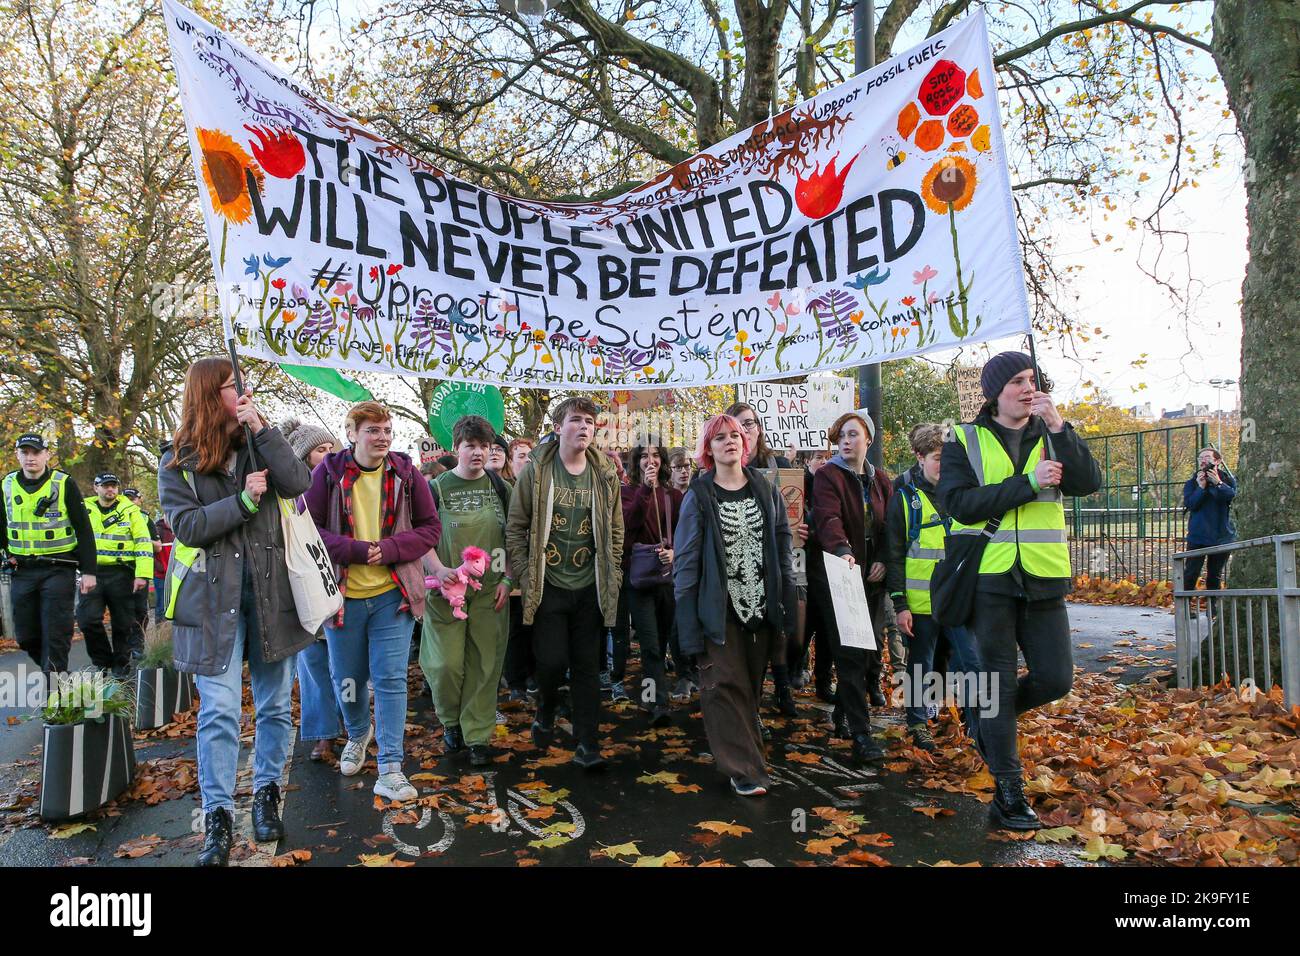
1207, 496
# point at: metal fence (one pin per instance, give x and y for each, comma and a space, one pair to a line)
1134, 523
1244, 634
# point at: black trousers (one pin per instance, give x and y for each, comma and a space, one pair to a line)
1040, 630
621, 633
814, 636
520, 664
1213, 572
568, 631
652, 620
854, 667
141, 619
114, 590
43, 599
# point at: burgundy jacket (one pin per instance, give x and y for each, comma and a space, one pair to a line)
839, 522
639, 519
415, 533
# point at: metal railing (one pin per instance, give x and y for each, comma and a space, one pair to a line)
1246, 634
1135, 522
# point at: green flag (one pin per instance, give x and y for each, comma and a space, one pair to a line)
329, 380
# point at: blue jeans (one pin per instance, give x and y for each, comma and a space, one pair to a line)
963, 658
320, 711
373, 644
219, 710
159, 585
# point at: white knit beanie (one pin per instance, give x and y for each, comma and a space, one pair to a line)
304, 436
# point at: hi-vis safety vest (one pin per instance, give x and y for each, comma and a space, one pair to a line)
1034, 532
925, 533
43, 535
121, 537
184, 561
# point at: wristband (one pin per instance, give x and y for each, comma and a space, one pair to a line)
1033, 483
248, 502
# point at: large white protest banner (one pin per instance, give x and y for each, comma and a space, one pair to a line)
871, 222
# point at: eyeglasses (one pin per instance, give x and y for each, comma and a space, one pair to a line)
750, 424
682, 467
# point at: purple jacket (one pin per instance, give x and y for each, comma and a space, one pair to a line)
416, 529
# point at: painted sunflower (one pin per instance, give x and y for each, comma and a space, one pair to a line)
950, 181
225, 172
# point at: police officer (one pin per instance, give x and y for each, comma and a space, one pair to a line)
48, 536
1005, 475
155, 545
125, 564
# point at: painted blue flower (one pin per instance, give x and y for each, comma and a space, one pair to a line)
272, 263
867, 278
251, 267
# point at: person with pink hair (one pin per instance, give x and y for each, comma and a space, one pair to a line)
735, 593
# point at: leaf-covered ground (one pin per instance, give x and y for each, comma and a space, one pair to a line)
1121, 773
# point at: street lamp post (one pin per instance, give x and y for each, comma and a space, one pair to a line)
864, 58
1219, 385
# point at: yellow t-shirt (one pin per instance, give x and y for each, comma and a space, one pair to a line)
368, 580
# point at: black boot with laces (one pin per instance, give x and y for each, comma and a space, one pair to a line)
218, 830
1009, 809
267, 825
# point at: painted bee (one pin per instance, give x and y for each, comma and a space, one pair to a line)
896, 158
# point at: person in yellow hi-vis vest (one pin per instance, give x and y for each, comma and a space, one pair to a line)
1005, 474
44, 529
124, 564
915, 527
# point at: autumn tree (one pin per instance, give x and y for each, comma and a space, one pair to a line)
915, 391
97, 217
1257, 48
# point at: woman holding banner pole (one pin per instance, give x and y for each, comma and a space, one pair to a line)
228, 590
1004, 476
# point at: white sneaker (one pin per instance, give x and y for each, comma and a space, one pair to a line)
354, 753
395, 786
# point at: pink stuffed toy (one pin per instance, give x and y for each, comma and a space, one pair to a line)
474, 564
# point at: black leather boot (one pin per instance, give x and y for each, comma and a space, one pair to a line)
785, 701
218, 832
267, 825
840, 725
866, 750
1009, 809
452, 739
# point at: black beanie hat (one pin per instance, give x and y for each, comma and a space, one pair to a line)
1001, 369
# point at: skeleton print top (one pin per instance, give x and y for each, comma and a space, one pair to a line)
742, 540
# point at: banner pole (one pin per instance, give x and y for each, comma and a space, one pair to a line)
1038, 383
864, 58
239, 389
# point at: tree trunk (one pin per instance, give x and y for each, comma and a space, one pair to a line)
1257, 48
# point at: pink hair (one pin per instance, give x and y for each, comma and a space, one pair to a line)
712, 428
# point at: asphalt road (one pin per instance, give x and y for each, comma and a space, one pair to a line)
658, 787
